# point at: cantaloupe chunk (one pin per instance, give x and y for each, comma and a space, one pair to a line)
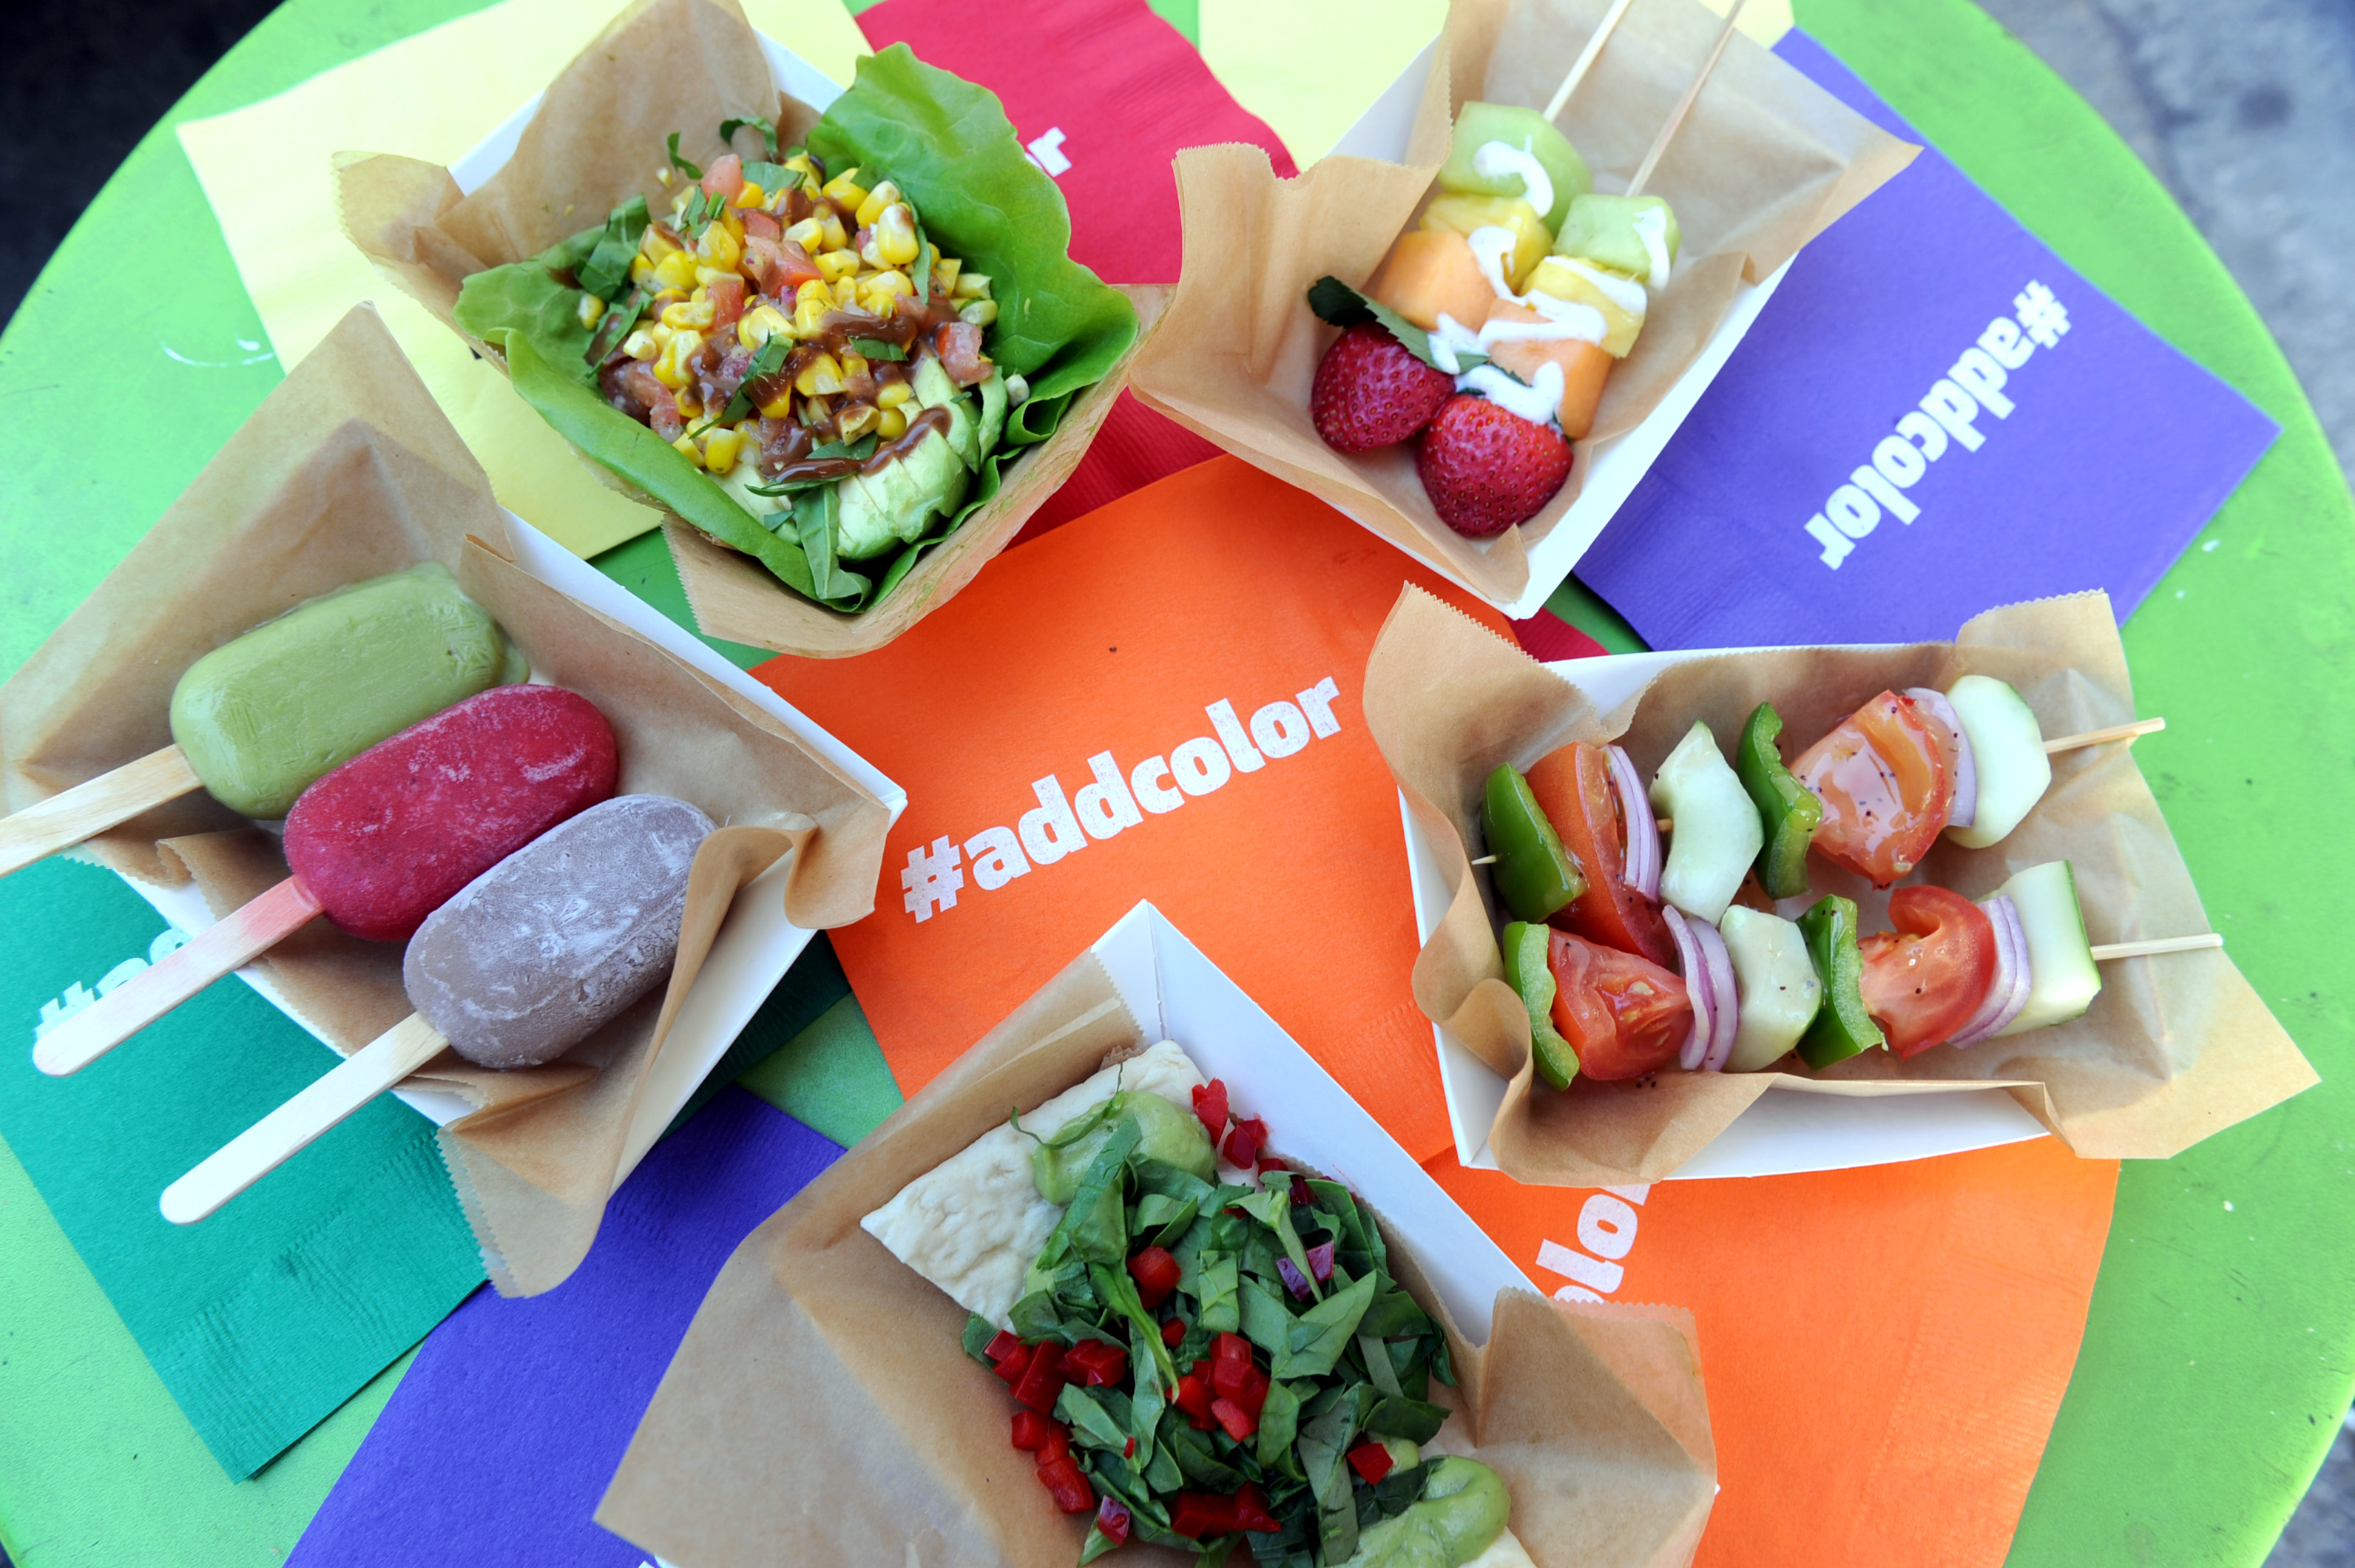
1585, 368
1429, 271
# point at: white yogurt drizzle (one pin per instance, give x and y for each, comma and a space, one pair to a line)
1622, 291
1492, 160
1561, 319
1652, 229
1539, 404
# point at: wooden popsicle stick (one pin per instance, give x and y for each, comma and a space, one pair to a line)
2100, 736
1586, 57
1684, 105
93, 807
77, 1041
288, 1130
2156, 946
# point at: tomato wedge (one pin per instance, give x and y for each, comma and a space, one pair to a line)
1924, 980
1624, 1014
1886, 785
1573, 787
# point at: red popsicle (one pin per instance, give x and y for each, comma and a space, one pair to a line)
383, 841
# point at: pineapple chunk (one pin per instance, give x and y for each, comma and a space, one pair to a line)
1464, 214
1565, 279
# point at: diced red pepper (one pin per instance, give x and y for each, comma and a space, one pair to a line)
1059, 1442
1252, 1395
1064, 1483
1371, 1461
1244, 1141
1043, 1379
1173, 1332
1240, 1423
1193, 1397
1301, 1196
1197, 1514
1100, 1365
1251, 1510
1231, 1364
1031, 1430
1003, 1345
1268, 1162
1210, 1105
1113, 1519
1157, 1273
1016, 1362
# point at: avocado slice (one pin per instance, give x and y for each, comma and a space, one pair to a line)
867, 507
895, 505
993, 412
965, 432
932, 384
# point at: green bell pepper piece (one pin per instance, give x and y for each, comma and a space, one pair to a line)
1535, 875
1843, 1028
1788, 810
1527, 971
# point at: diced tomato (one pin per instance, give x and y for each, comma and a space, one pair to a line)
1067, 1485
724, 176
1193, 1395
1042, 1381
1625, 1016
727, 297
1173, 1331
1004, 1343
1924, 980
958, 343
1100, 1365
778, 268
1157, 1274
1114, 1520
760, 225
1244, 1141
1231, 1364
1301, 1196
1199, 1514
1886, 786
1210, 1105
1251, 1510
1371, 1461
1240, 1423
1031, 1430
1573, 787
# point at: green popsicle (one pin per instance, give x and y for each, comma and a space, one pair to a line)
261, 718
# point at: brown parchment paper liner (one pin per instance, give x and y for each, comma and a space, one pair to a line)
820, 1408
1765, 162
348, 471
596, 140
2176, 1048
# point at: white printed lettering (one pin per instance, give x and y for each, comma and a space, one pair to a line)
1900, 462
1155, 797
1606, 1226
1891, 499
1926, 433
1852, 511
1280, 729
1838, 548
1575, 1292
1318, 703
2002, 340
1104, 806
2041, 316
1049, 831
1590, 1271
1199, 766
1978, 373
121, 975
931, 878
1047, 151
995, 856
1230, 730
1953, 408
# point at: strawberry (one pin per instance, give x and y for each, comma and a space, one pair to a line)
1486, 469
1371, 392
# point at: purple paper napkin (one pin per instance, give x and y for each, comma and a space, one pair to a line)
500, 1439
1933, 416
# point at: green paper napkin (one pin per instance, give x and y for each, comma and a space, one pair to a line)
265, 1317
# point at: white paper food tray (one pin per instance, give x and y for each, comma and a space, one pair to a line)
1611, 468
1796, 1126
755, 946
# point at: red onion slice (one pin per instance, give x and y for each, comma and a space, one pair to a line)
1698, 989
1725, 996
1643, 860
1966, 809
2008, 992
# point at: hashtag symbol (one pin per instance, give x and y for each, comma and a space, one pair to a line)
2041, 316
931, 878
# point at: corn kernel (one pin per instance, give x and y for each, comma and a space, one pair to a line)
799, 163
809, 234
779, 407
662, 334
687, 313
667, 296
970, 286
718, 247
893, 394
884, 194
855, 420
667, 373
845, 187
689, 405
592, 310
671, 369
821, 377
686, 445
846, 294
832, 234
760, 324
750, 194
891, 424
853, 367
721, 449
810, 306
981, 312
662, 174
656, 243
641, 345
817, 413
735, 225
944, 273
640, 269
894, 241
676, 270
832, 265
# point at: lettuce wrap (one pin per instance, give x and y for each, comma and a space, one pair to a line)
948, 147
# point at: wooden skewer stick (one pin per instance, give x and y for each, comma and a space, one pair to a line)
92, 807
294, 1126
1485, 860
1684, 105
77, 1041
2100, 737
2156, 946
1586, 57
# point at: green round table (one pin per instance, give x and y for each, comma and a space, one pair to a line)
2216, 1364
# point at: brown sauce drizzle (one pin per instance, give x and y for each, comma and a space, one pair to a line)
919, 427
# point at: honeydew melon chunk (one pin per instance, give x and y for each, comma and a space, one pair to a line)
2062, 978
1620, 233
2007, 750
1525, 131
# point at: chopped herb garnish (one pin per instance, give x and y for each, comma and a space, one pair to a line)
616, 325
605, 272
727, 129
681, 164
766, 361
876, 349
1338, 303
